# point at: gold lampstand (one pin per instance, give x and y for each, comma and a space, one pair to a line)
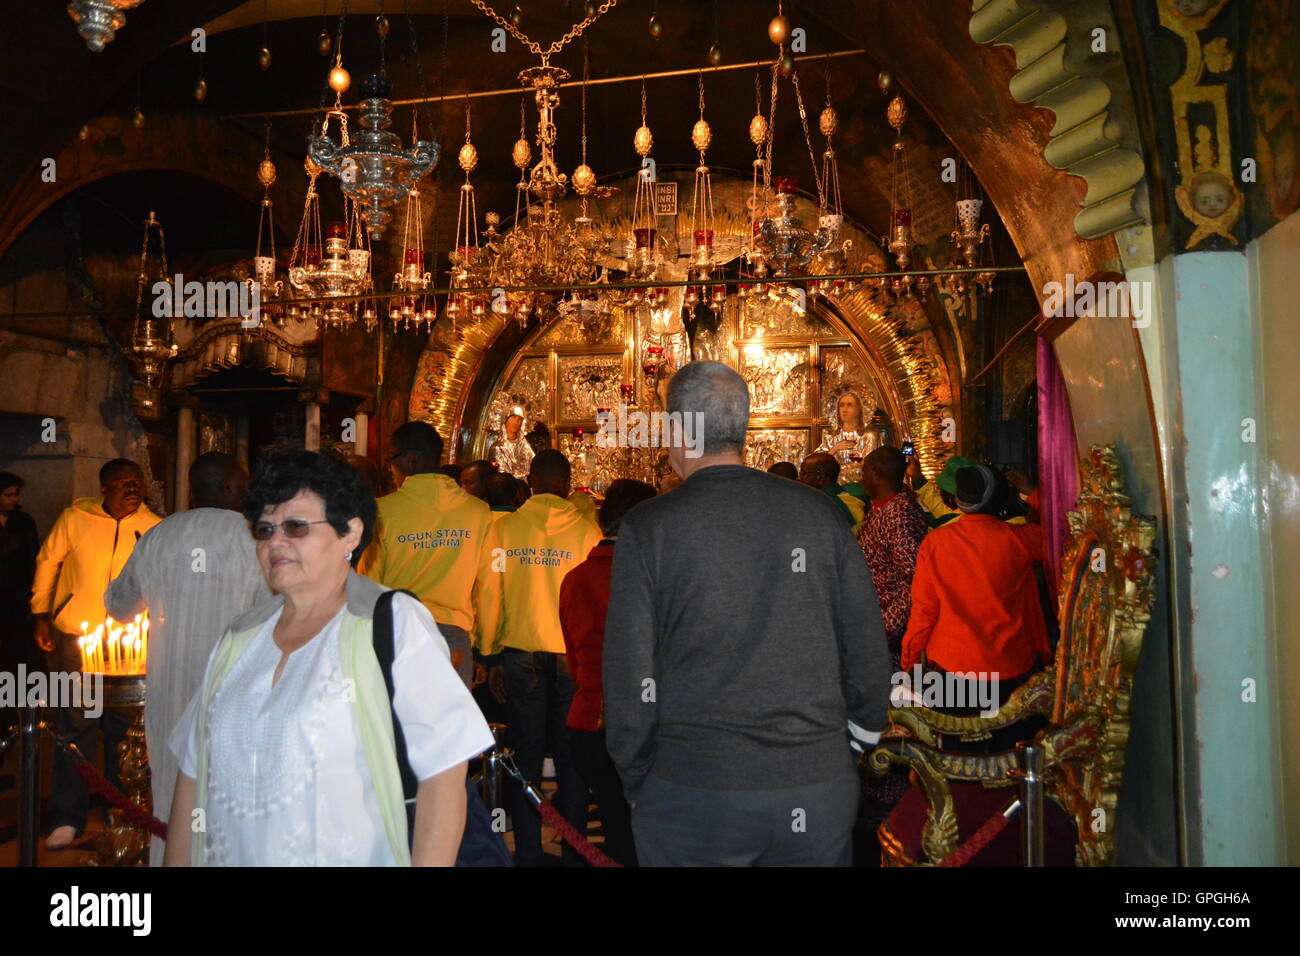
117, 653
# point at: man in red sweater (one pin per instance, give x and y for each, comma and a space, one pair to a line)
584, 599
975, 604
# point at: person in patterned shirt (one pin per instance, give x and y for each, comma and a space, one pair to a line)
890, 537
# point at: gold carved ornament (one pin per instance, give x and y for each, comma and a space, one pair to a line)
1105, 604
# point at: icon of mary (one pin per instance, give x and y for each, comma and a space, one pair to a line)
851, 437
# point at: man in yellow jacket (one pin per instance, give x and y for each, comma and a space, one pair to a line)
429, 539
518, 594
87, 547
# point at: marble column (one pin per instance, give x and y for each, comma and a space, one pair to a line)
184, 457
241, 439
362, 433
312, 436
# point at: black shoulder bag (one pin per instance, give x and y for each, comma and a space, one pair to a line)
480, 845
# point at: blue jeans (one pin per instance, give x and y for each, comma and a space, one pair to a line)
539, 691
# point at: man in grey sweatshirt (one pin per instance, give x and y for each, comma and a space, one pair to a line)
745, 656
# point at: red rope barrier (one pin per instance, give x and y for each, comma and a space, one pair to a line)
979, 839
97, 784
569, 834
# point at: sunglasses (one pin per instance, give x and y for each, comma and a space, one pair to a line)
293, 528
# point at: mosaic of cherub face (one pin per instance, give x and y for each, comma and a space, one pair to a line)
1192, 8
1212, 194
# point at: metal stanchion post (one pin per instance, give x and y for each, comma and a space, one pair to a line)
1030, 760
493, 771
29, 794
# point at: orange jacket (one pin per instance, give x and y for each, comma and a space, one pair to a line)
975, 599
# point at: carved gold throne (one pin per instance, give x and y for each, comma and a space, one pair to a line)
1105, 596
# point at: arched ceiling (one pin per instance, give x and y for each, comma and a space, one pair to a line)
153, 51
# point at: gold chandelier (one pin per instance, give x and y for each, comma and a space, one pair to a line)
330, 265
543, 247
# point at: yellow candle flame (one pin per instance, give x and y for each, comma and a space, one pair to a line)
115, 648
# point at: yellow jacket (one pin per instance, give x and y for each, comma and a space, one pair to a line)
529, 552
84, 551
930, 499
586, 504
429, 539
857, 508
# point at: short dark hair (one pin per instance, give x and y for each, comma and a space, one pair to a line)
501, 490
784, 469
820, 469
9, 480
421, 440
549, 468
888, 462
623, 495
209, 471
452, 472
116, 467
345, 494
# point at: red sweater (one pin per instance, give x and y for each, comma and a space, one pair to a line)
584, 599
975, 598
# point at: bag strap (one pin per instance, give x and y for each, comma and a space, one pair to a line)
384, 650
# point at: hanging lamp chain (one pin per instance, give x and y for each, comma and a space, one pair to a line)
807, 136
533, 46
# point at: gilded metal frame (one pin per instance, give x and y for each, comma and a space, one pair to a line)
881, 378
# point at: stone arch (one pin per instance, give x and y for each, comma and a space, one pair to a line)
184, 144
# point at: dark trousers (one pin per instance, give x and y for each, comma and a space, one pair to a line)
540, 691
70, 800
810, 825
16, 648
594, 766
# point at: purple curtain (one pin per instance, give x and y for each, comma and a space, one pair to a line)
1058, 466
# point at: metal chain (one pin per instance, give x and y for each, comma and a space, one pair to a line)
533, 46
771, 126
142, 278
807, 136
586, 76
419, 72
338, 61
643, 101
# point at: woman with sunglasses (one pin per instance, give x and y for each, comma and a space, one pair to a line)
288, 748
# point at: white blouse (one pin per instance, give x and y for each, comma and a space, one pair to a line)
288, 783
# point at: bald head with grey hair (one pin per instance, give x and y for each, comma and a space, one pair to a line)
719, 397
